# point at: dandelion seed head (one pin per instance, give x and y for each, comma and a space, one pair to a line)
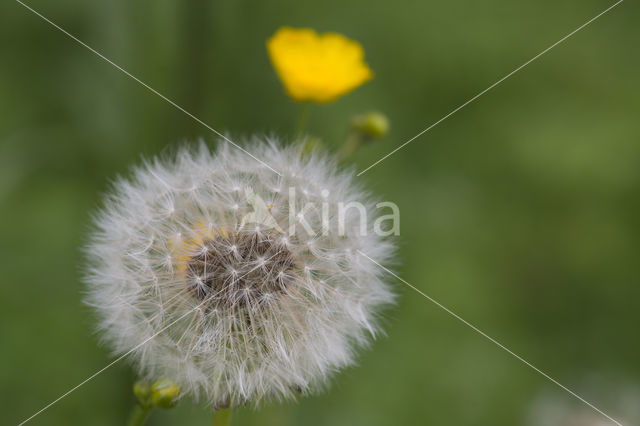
234, 311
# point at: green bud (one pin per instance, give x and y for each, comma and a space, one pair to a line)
371, 125
142, 391
165, 393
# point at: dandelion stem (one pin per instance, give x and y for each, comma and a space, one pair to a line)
303, 119
222, 417
138, 415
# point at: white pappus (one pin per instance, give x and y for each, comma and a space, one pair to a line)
196, 256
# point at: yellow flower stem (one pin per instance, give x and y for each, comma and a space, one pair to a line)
222, 417
139, 415
350, 146
303, 119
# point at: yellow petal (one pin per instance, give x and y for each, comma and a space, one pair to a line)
317, 67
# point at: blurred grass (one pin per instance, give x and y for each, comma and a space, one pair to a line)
521, 212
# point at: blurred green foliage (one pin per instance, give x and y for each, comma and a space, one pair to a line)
521, 212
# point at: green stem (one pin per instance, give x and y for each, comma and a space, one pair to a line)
222, 417
350, 146
138, 415
303, 119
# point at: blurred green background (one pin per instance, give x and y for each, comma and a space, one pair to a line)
521, 212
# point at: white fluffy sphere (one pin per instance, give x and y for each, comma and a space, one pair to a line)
198, 270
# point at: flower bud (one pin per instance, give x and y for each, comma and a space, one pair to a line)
165, 393
371, 125
142, 391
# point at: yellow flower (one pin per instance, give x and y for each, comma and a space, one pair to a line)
317, 67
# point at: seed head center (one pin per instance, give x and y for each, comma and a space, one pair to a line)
240, 269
